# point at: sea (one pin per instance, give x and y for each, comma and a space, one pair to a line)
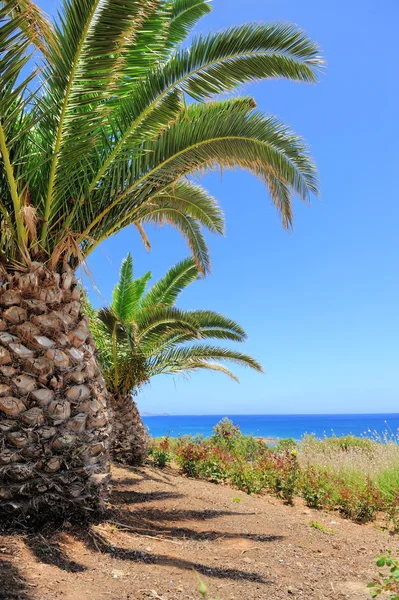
278, 426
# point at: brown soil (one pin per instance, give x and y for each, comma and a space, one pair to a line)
163, 527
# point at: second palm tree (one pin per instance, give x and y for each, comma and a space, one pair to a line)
143, 334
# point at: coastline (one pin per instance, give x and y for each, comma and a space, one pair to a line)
277, 427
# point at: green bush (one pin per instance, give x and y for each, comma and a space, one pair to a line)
360, 504
160, 450
225, 432
317, 488
356, 476
387, 581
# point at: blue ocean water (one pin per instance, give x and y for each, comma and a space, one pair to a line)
277, 426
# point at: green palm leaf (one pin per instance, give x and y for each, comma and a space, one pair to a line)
124, 297
156, 336
178, 360
166, 291
107, 140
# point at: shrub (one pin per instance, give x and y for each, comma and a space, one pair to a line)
387, 580
317, 488
247, 478
216, 464
190, 452
281, 474
285, 444
161, 453
391, 508
360, 504
249, 448
356, 476
225, 432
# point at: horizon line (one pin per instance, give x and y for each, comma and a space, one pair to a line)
270, 414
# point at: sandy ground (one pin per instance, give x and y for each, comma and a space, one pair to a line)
162, 528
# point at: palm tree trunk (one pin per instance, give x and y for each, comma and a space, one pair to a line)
130, 437
54, 418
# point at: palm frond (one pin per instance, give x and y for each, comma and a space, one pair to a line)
182, 198
217, 326
108, 139
166, 291
219, 63
156, 320
225, 134
34, 23
124, 299
176, 360
185, 14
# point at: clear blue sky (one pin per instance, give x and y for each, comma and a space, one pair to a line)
321, 304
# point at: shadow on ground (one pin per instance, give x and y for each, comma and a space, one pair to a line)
48, 545
12, 584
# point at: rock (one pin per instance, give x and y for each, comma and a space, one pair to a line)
11, 406
116, 574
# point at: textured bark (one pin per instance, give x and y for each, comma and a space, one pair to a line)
130, 437
54, 418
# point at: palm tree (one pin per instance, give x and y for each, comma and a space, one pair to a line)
143, 334
96, 137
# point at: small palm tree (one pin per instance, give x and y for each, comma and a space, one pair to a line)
98, 137
142, 334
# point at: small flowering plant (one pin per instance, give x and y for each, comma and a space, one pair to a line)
226, 432
387, 580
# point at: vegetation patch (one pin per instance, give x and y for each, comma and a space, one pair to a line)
359, 477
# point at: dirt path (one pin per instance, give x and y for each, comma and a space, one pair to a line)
166, 526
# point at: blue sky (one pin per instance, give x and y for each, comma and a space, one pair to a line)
320, 305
